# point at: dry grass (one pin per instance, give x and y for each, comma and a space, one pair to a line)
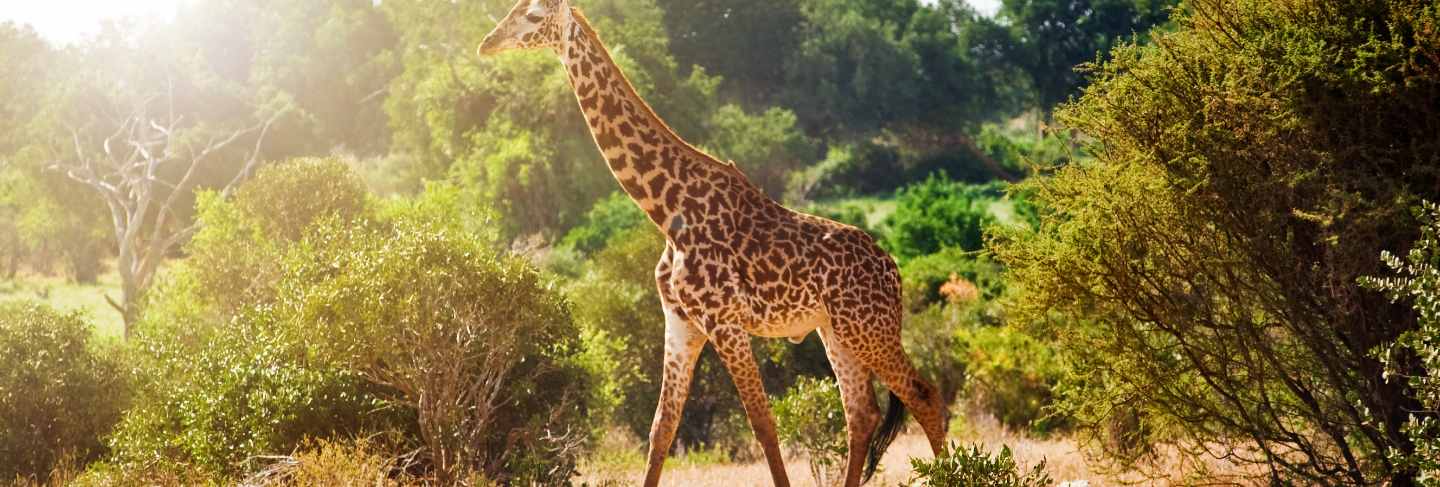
620, 462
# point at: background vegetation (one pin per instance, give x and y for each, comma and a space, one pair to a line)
1167, 230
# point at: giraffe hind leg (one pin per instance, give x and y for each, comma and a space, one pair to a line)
878, 347
857, 393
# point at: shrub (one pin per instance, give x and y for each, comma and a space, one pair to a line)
359, 461
219, 380
459, 325
810, 418
930, 341
58, 395
1249, 167
974, 468
236, 256
214, 397
848, 170
937, 214
923, 276
767, 146
611, 216
1417, 279
1011, 375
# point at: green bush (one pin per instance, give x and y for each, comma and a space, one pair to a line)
922, 277
1249, 166
1417, 279
768, 146
614, 215
219, 379
1011, 375
848, 170
974, 468
58, 395
458, 324
810, 418
937, 214
215, 397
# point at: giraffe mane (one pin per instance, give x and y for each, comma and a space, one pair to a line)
625, 84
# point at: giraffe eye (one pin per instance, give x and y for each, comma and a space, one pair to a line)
534, 19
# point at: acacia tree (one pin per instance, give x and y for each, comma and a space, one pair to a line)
131, 172
1201, 271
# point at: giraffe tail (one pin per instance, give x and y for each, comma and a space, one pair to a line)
885, 434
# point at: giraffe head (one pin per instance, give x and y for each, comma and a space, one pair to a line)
531, 24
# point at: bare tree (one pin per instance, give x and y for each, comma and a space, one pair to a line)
127, 173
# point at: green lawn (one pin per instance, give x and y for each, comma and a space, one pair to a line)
64, 295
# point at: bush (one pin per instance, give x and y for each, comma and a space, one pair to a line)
937, 214
1417, 279
848, 170
922, 277
1011, 375
810, 418
58, 395
459, 324
974, 468
219, 379
614, 215
767, 146
1249, 167
360, 461
236, 256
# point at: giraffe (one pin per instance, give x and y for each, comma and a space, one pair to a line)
736, 263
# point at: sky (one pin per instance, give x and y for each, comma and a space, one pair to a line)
67, 21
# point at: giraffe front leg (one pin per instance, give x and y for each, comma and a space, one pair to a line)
733, 346
858, 396
683, 343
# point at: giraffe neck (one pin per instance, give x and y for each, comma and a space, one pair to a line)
664, 175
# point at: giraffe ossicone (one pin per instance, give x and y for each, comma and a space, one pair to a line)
736, 263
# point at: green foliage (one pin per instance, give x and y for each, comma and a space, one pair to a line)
810, 418
973, 467
1011, 375
459, 325
848, 170
614, 215
1200, 270
219, 380
1050, 37
937, 214
58, 394
896, 64
215, 396
236, 257
767, 146
1416, 279
923, 276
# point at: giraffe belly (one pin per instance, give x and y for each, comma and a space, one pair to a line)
794, 325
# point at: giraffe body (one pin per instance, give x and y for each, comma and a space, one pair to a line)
736, 263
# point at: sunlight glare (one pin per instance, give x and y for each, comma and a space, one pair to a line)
67, 21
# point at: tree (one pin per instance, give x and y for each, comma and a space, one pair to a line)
1051, 37
1200, 272
128, 172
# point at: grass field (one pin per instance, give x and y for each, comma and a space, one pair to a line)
61, 294
620, 461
